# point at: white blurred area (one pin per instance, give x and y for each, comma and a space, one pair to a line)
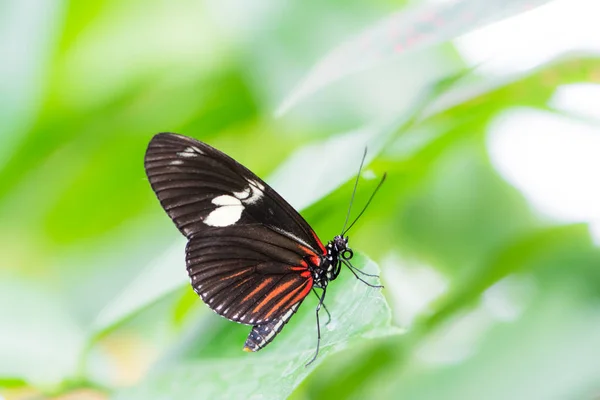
459, 338
414, 287
534, 37
552, 157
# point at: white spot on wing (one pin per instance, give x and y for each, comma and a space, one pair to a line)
257, 185
228, 213
176, 162
244, 194
225, 200
190, 151
251, 194
257, 193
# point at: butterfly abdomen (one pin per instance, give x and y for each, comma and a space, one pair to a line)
261, 335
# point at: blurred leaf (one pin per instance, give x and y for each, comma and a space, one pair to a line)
357, 311
406, 30
315, 170
85, 153
9, 383
139, 42
39, 341
22, 72
301, 177
542, 248
548, 353
158, 280
446, 217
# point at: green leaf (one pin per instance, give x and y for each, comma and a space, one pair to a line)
358, 311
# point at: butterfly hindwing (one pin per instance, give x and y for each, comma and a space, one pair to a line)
249, 274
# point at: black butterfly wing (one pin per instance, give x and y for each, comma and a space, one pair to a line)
201, 187
249, 274
249, 250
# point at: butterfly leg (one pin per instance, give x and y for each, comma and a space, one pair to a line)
324, 307
364, 273
321, 299
353, 268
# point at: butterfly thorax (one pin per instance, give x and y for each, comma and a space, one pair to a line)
337, 250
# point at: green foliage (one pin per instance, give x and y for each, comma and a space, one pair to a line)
94, 299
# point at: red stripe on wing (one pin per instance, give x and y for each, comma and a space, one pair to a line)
314, 259
258, 288
275, 292
289, 299
305, 291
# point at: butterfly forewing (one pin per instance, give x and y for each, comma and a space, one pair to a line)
249, 251
201, 187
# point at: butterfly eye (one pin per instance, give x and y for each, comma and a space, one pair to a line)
347, 254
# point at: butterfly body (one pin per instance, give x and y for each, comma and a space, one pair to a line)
331, 265
250, 256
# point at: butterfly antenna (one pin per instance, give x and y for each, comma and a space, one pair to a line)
354, 190
366, 205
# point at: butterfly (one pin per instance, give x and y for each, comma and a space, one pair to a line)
250, 255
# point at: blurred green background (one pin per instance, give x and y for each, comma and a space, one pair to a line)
486, 297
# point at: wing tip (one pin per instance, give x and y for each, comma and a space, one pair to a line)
176, 139
167, 135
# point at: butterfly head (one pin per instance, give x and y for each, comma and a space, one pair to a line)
340, 245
